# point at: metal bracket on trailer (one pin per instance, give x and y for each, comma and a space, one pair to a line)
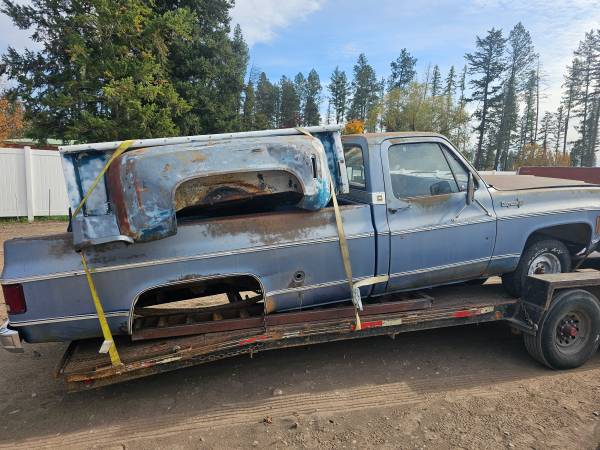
539, 291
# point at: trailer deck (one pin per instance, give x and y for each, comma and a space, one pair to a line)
83, 367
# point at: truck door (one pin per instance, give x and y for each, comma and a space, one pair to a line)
435, 237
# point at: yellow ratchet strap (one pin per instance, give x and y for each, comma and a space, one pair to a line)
354, 287
345, 251
109, 344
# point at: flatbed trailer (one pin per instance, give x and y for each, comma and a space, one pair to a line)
82, 367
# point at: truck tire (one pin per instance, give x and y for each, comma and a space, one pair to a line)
569, 332
543, 256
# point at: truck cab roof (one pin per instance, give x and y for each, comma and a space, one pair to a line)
377, 138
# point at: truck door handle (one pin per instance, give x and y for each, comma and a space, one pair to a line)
395, 210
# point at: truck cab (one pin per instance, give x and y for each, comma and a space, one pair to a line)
426, 232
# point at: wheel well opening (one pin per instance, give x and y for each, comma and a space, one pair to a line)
197, 301
236, 193
201, 292
576, 236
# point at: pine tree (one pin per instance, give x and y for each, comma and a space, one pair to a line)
463, 133
290, 104
587, 99
559, 120
436, 81
313, 99
248, 108
546, 132
102, 70
487, 62
403, 71
300, 82
527, 126
568, 99
339, 91
520, 57
449, 92
364, 89
277, 118
537, 99
266, 103
450, 88
208, 66
462, 87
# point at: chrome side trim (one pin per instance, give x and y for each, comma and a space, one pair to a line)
441, 226
315, 286
27, 323
507, 256
184, 259
442, 267
546, 213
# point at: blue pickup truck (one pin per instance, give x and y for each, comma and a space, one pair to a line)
416, 213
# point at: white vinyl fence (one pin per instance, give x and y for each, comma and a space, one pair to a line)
31, 183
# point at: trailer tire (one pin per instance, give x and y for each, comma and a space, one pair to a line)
542, 256
531, 345
568, 333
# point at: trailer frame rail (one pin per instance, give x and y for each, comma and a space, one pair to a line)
82, 367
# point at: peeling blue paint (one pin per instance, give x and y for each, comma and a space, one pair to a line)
136, 200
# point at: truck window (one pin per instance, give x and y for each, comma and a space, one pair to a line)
419, 170
355, 166
460, 173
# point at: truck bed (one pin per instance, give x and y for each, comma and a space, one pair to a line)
83, 367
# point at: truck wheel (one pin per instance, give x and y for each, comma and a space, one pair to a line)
546, 256
569, 332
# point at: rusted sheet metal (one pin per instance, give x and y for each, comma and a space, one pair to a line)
148, 186
82, 367
145, 187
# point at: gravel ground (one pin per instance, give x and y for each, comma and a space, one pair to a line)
467, 387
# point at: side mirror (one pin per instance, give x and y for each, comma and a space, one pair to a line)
470, 189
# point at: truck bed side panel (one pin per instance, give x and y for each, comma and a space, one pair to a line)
271, 247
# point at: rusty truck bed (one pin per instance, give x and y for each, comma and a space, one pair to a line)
83, 367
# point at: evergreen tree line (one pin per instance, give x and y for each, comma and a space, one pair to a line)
506, 81
397, 103
286, 104
115, 69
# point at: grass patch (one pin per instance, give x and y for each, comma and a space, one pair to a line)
36, 219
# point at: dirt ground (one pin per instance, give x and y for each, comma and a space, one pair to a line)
468, 387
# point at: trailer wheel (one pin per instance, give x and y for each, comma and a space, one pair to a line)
569, 332
545, 256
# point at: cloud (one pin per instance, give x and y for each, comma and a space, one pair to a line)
261, 19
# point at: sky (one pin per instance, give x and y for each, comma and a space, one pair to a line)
291, 36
